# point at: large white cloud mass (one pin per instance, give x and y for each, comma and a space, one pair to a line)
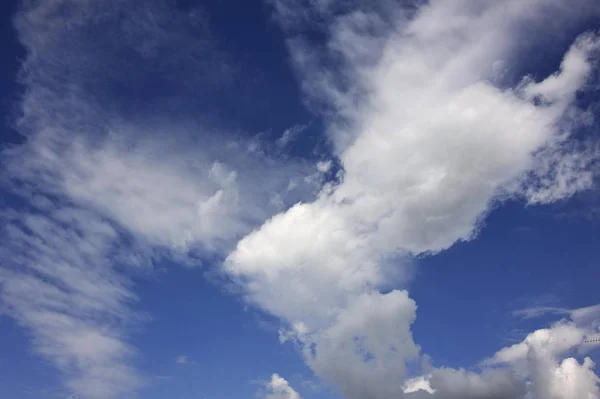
429, 141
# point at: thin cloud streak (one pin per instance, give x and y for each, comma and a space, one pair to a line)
57, 283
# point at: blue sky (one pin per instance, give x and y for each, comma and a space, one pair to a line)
299, 199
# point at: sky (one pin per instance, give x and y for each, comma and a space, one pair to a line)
300, 199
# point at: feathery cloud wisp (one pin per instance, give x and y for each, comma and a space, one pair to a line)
115, 173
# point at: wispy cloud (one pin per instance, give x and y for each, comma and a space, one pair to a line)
116, 173
57, 282
587, 315
183, 359
290, 134
530, 313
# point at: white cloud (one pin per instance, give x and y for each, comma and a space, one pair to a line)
544, 365
112, 178
182, 359
416, 384
489, 384
547, 359
56, 282
367, 346
538, 311
429, 141
588, 315
176, 195
290, 134
279, 388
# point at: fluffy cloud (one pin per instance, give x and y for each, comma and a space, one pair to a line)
461, 384
417, 384
430, 139
541, 358
549, 363
279, 388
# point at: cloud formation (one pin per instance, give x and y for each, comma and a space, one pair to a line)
430, 136
57, 283
279, 388
546, 358
115, 174
430, 139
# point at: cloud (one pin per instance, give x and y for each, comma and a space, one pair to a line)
547, 359
173, 195
548, 363
115, 174
57, 283
416, 384
430, 139
588, 315
461, 384
182, 359
290, 135
533, 312
279, 388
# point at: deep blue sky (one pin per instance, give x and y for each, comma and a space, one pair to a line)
523, 256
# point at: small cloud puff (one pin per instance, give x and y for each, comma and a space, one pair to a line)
183, 359
279, 388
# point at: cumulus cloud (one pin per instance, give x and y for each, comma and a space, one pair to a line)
547, 358
417, 384
449, 383
430, 139
549, 363
279, 388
